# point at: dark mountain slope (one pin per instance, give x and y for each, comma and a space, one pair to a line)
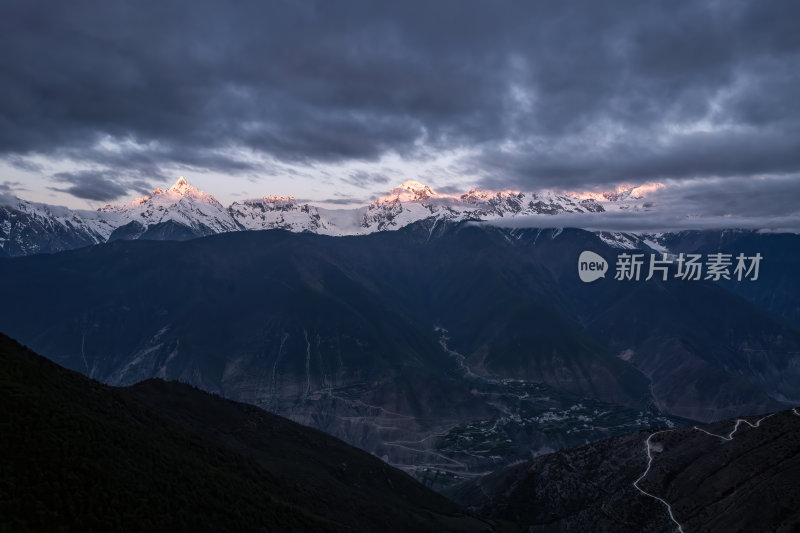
708, 353
78, 455
162, 231
777, 289
745, 484
337, 333
500, 306
392, 340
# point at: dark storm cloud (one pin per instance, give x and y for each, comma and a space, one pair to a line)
698, 154
747, 196
23, 164
97, 185
363, 179
11, 186
344, 200
766, 202
544, 94
660, 222
450, 189
302, 83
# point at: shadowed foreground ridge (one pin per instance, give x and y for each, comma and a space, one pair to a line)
712, 478
78, 455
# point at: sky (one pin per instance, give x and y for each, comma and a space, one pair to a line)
337, 102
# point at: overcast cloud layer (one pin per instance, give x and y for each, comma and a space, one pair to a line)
102, 100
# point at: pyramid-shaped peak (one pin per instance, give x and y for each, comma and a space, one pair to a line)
180, 189
408, 191
182, 185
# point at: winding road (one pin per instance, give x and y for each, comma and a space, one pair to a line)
649, 451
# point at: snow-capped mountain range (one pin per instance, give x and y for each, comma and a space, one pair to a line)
184, 211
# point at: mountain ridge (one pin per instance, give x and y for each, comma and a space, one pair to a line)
28, 227
160, 455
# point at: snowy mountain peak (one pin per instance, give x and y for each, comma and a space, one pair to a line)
273, 199
199, 213
182, 203
631, 192
182, 187
180, 190
619, 195
412, 185
408, 191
